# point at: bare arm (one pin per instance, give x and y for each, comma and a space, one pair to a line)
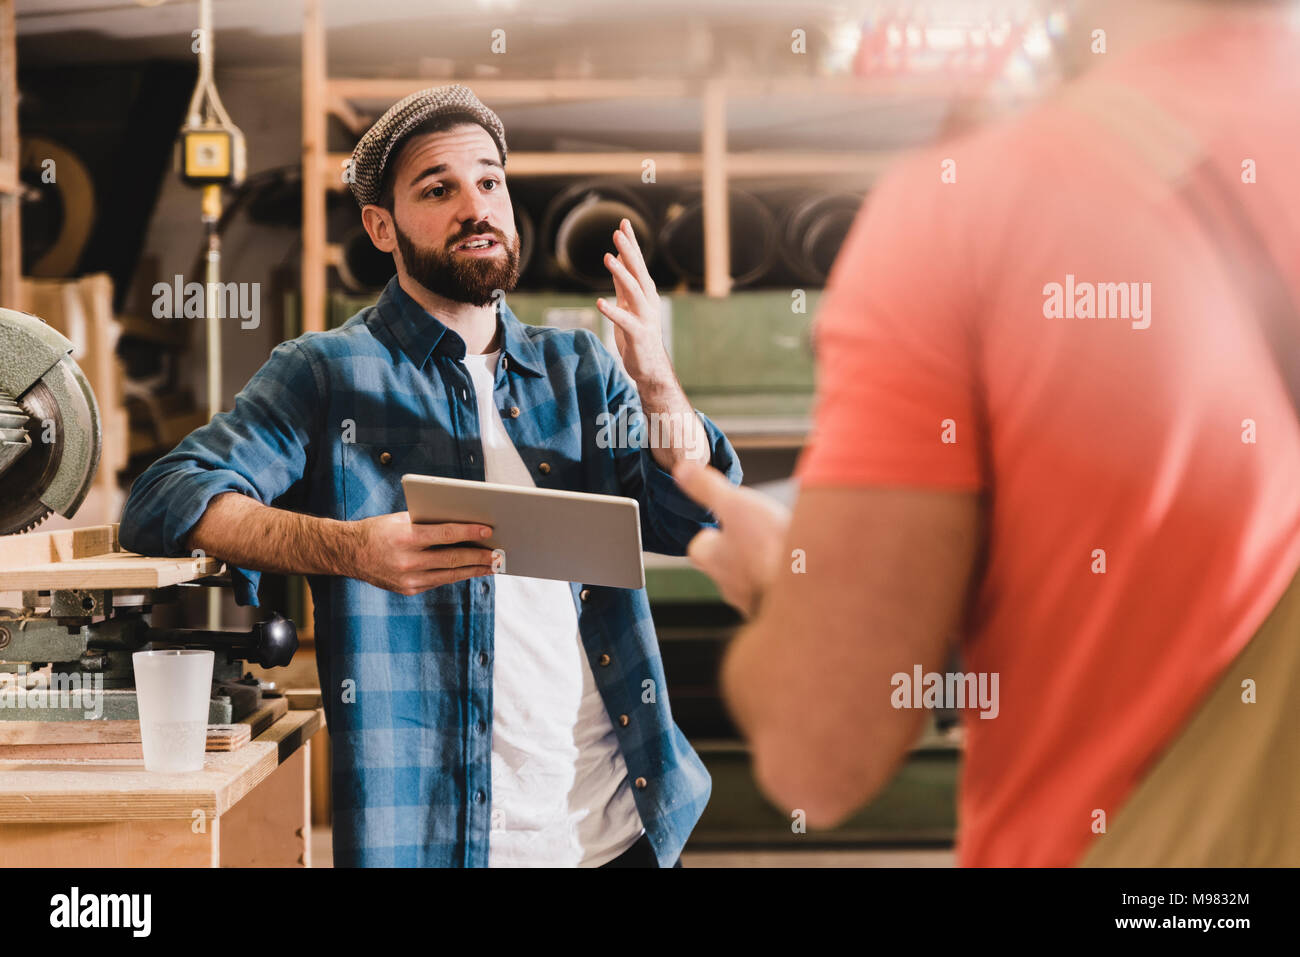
681, 434
387, 550
808, 681
244, 532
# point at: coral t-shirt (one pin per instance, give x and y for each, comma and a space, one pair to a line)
1139, 455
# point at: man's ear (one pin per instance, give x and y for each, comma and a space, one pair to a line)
380, 227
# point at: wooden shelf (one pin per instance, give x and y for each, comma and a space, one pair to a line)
756, 163
388, 90
713, 165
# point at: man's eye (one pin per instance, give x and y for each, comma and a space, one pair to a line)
489, 182
435, 191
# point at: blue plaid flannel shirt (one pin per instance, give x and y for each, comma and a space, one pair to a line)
407, 680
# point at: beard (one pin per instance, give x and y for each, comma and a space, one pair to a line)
471, 279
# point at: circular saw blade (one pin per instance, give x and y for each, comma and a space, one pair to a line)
26, 480
56, 473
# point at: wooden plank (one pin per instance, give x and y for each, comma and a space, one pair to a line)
356, 123
525, 163
124, 570
301, 699
272, 710
765, 163
59, 546
11, 262
717, 226
168, 843
500, 92
314, 145
70, 752
228, 737
307, 627
121, 789
856, 167
98, 739
68, 732
321, 787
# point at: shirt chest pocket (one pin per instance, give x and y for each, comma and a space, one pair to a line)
372, 475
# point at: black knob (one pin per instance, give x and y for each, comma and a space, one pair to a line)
274, 641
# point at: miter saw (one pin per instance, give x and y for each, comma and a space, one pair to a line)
49, 425
49, 451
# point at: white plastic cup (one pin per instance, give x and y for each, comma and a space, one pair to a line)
173, 690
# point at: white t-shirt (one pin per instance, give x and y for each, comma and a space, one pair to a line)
560, 790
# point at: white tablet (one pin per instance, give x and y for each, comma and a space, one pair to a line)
544, 533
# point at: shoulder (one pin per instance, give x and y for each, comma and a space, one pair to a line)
327, 350
554, 344
355, 335
309, 359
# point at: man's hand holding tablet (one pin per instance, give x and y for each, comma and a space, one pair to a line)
391, 552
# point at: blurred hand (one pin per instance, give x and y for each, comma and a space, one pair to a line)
743, 556
391, 552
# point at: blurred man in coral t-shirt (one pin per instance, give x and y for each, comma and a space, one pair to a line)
1051, 433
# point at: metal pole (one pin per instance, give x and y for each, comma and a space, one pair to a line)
213, 309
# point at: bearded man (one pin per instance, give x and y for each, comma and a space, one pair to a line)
476, 719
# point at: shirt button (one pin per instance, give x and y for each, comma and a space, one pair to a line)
482, 726
544, 469
604, 661
640, 783
480, 797
483, 658
514, 412
623, 720
464, 395
471, 458
584, 594
385, 457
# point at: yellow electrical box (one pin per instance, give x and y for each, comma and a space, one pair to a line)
207, 156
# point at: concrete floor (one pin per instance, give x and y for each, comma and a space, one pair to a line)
322, 856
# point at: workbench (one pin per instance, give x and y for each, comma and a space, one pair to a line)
246, 808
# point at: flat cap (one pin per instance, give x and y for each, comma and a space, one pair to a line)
371, 155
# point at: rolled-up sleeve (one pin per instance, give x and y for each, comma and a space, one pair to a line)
260, 448
669, 519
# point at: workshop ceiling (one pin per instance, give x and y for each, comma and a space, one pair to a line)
373, 37
434, 38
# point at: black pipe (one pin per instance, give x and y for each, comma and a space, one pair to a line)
813, 227
752, 231
579, 227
